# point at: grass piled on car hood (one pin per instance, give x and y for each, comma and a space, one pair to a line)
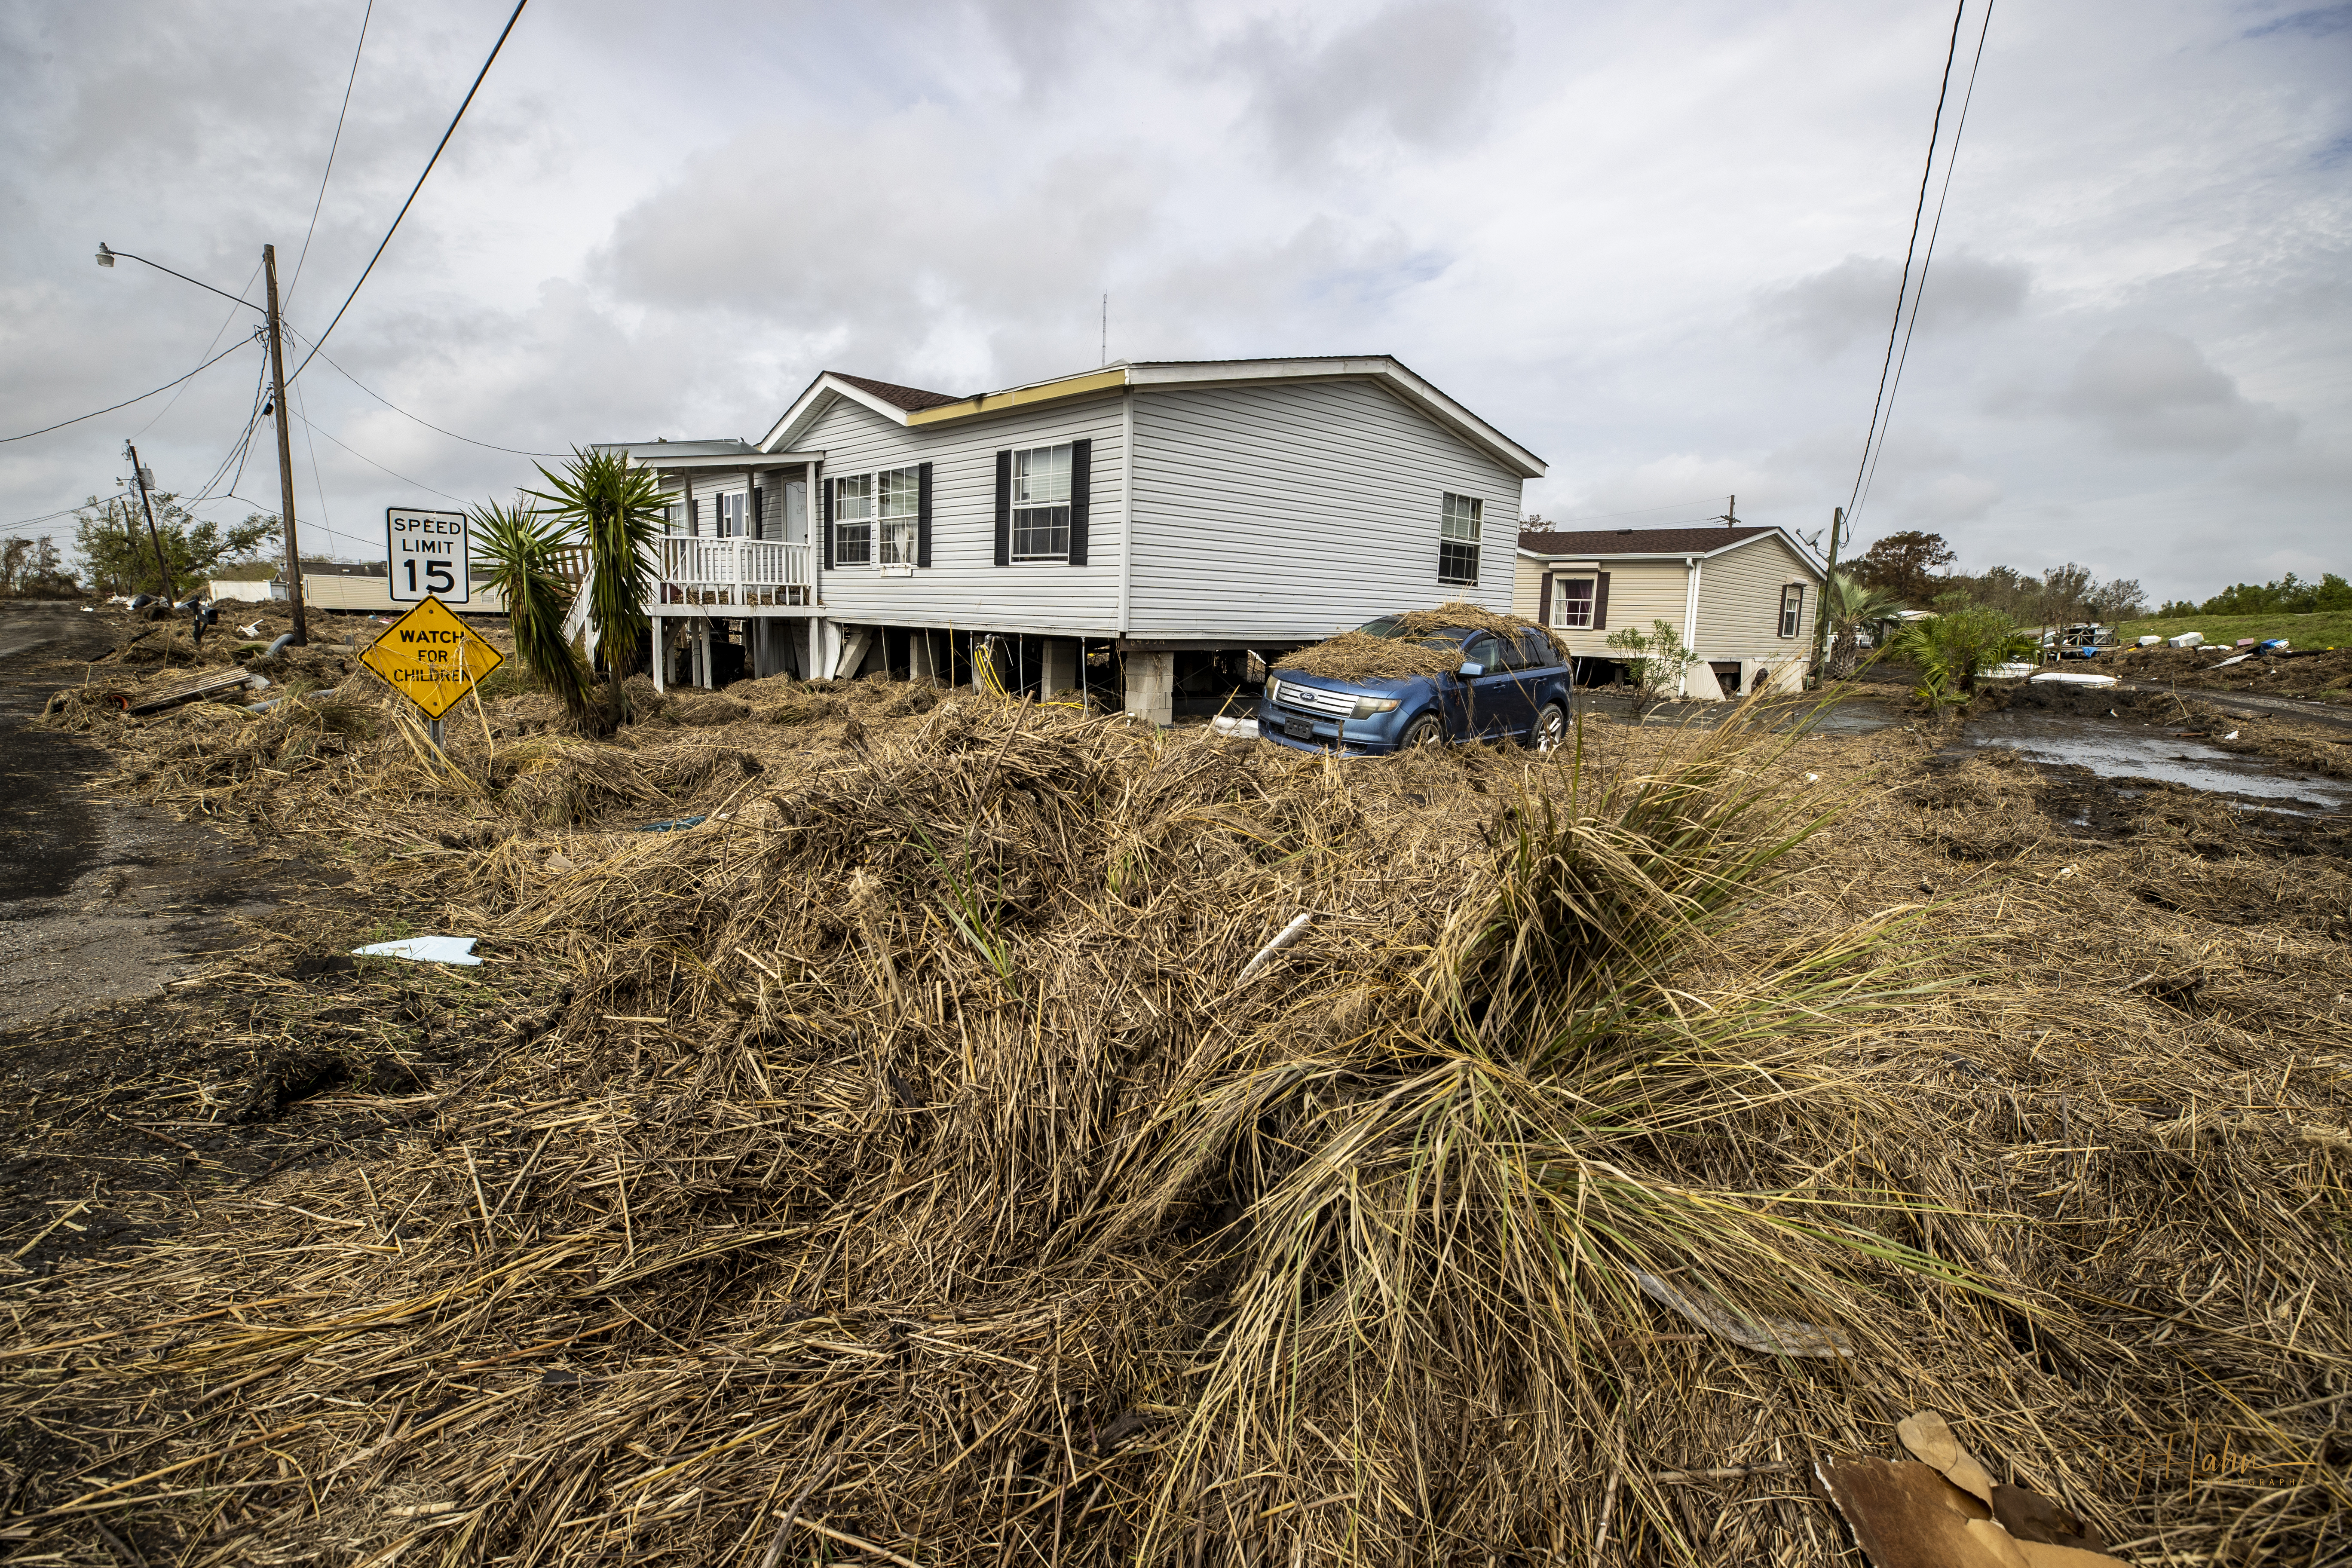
1359, 655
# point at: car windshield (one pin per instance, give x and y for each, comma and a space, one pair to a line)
1392, 627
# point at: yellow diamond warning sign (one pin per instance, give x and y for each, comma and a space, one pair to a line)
431, 659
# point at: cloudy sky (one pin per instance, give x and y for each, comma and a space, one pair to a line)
1658, 243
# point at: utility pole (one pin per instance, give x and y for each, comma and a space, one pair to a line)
163, 562
285, 453
1828, 584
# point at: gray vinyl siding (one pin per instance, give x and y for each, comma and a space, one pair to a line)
1739, 602
1293, 510
963, 588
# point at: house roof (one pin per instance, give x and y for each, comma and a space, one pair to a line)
1598, 543
911, 398
911, 406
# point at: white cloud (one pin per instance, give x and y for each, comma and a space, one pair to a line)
2152, 390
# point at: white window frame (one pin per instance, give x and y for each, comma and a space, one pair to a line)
898, 509
857, 487
1035, 496
1460, 521
1559, 602
1792, 609
734, 521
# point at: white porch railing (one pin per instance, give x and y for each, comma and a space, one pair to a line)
738, 571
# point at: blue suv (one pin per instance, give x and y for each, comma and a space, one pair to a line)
1504, 688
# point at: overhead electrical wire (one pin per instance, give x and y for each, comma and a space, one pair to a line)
1935, 133
372, 463
329, 173
208, 348
405, 413
370, 268
129, 401
1951, 157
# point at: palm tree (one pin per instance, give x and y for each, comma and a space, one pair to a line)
1848, 605
522, 547
618, 508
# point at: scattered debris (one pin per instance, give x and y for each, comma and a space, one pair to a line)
1772, 1336
423, 950
1288, 935
674, 825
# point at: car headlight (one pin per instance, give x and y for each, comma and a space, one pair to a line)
1368, 706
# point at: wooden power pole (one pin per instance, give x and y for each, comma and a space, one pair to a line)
163, 562
285, 453
1829, 583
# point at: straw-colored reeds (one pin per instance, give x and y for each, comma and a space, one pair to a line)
911, 1176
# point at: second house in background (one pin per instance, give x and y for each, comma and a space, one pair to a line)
1141, 527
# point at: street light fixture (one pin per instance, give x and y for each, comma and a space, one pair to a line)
105, 257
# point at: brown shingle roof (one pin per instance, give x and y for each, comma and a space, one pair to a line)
1635, 541
909, 398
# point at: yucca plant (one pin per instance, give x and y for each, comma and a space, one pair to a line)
1849, 605
523, 548
618, 507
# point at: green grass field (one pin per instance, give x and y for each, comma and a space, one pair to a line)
2328, 629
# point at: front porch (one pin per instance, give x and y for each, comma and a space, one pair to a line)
738, 574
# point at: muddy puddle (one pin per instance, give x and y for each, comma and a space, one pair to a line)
2119, 749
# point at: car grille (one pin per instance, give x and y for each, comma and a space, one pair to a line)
1314, 699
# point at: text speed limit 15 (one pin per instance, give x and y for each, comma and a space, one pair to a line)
429, 554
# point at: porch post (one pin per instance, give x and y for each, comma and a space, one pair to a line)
660, 659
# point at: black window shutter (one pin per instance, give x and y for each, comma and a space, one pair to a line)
826, 527
1082, 479
1004, 509
752, 492
1601, 600
1543, 603
922, 514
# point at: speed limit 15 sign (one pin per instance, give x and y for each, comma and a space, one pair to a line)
428, 555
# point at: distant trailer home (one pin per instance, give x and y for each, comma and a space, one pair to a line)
1139, 531
1743, 599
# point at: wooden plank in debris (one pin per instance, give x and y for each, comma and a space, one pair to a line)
219, 681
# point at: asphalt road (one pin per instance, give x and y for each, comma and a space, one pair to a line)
100, 899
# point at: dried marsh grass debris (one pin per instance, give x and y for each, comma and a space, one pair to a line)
906, 1153
1403, 648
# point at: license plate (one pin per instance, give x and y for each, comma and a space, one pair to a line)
1298, 729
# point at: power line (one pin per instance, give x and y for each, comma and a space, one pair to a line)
1935, 133
372, 463
225, 325
1951, 158
413, 190
405, 413
129, 401
329, 173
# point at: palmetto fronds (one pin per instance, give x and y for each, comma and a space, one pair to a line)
523, 547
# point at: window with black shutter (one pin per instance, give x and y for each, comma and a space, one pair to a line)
922, 514
1003, 509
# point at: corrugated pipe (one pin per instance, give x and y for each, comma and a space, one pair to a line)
279, 646
266, 706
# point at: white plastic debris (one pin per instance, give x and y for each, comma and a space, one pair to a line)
2015, 670
2150, 640
2230, 736
2068, 677
423, 950
2186, 639
1226, 724
252, 631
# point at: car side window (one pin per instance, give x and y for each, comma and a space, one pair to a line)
1485, 651
1536, 651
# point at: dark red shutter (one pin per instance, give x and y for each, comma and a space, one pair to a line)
1601, 600
827, 524
1004, 509
1082, 479
922, 514
1543, 603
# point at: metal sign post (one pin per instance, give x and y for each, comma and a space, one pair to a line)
431, 555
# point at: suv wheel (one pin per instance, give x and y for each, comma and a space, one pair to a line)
1551, 727
1424, 731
